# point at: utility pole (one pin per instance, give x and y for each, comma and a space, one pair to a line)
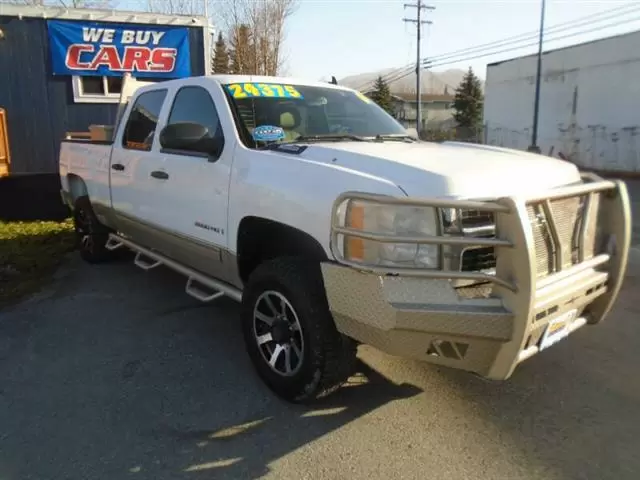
208, 40
536, 102
419, 6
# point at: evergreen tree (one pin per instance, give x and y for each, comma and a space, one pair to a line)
220, 61
241, 52
382, 95
468, 101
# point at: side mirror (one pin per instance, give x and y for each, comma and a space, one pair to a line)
191, 137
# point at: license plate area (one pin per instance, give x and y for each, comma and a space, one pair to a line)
557, 329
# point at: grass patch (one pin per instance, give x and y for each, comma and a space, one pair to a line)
30, 252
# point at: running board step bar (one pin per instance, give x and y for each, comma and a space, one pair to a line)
148, 259
140, 261
113, 243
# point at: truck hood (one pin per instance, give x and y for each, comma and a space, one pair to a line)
450, 169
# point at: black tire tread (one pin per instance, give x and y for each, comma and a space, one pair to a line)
336, 353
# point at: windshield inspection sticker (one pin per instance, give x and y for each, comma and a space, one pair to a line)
267, 133
248, 90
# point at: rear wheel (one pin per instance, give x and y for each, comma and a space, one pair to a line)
290, 334
91, 235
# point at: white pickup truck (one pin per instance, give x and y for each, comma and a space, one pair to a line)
316, 210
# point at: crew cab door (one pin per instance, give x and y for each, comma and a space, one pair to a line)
194, 183
173, 200
133, 159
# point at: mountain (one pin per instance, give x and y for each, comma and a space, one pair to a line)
432, 82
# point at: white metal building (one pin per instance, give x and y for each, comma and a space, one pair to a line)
589, 103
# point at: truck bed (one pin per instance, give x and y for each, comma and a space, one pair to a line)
89, 160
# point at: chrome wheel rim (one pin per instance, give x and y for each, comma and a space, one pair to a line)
278, 333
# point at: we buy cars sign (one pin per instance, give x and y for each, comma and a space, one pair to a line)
110, 49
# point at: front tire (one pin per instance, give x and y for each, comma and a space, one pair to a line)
290, 334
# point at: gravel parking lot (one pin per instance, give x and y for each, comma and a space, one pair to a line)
116, 373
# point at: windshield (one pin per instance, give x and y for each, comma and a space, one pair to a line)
268, 112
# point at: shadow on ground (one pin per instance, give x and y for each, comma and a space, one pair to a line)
116, 372
573, 409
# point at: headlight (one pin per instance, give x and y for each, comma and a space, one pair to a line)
392, 220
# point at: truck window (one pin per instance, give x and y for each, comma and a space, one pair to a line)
194, 104
303, 110
141, 124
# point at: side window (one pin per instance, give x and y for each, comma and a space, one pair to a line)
142, 121
194, 105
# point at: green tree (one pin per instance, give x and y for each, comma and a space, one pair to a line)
468, 101
220, 61
382, 95
241, 52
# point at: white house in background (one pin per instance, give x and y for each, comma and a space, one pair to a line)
437, 111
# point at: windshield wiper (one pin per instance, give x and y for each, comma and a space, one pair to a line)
333, 137
395, 137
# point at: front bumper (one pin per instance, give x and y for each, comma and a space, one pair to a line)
420, 314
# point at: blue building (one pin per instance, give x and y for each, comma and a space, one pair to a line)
61, 71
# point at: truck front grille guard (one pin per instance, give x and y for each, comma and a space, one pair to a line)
546, 259
575, 281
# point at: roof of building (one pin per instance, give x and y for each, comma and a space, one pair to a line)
96, 15
554, 50
424, 97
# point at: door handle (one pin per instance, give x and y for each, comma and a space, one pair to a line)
117, 166
160, 174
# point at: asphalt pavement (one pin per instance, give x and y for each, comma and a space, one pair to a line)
115, 373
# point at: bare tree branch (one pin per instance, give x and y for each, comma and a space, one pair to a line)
266, 20
99, 4
24, 2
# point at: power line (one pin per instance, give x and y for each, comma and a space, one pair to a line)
569, 35
558, 27
625, 9
547, 40
418, 22
439, 60
528, 37
401, 75
405, 71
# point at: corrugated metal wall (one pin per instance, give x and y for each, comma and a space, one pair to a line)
40, 107
589, 103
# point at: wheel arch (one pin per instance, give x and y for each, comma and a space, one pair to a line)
261, 239
77, 187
